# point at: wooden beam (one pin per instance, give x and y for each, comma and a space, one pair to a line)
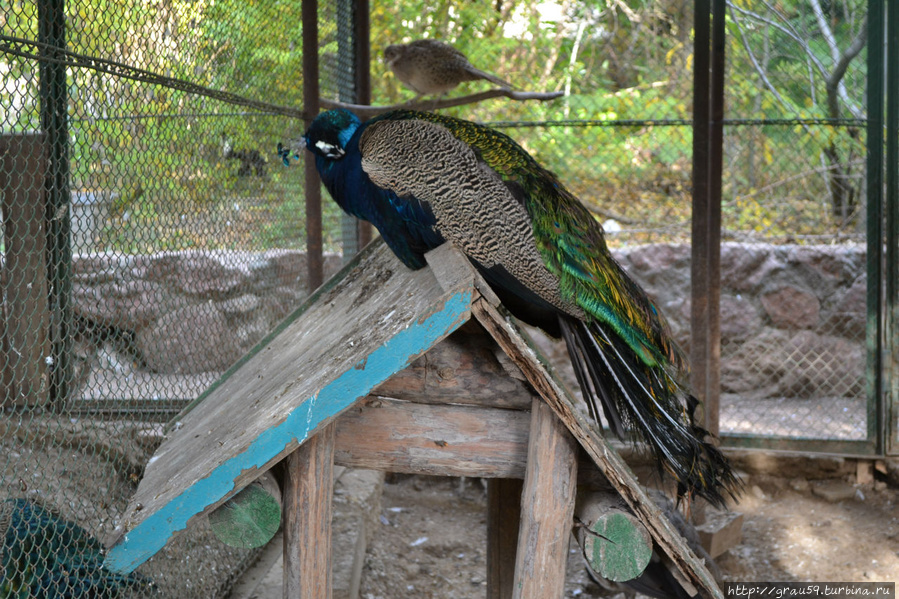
547, 507
308, 486
400, 436
25, 313
503, 518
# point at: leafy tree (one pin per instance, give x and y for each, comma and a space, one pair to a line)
801, 53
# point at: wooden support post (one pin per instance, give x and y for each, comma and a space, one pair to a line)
25, 314
503, 518
547, 507
308, 486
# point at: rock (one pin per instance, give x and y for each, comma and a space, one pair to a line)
745, 267
834, 491
799, 485
239, 306
739, 319
195, 274
190, 340
826, 267
848, 317
128, 305
776, 363
791, 308
663, 270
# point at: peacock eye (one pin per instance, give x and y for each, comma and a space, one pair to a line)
329, 150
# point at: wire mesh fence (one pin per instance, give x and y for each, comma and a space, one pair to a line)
794, 308
159, 238
794, 197
178, 245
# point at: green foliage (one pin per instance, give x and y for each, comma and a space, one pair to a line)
158, 152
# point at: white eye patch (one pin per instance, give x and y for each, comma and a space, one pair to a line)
329, 150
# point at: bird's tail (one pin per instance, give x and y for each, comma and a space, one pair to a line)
479, 74
647, 402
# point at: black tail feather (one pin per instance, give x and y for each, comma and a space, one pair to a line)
649, 403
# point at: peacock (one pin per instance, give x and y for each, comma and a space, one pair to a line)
423, 179
45, 556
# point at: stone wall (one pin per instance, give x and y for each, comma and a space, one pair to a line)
793, 317
186, 312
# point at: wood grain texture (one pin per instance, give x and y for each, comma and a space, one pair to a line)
614, 542
399, 436
547, 507
464, 368
513, 341
24, 311
371, 320
308, 486
503, 520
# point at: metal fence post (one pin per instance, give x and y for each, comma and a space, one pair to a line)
353, 85
708, 113
891, 417
875, 225
54, 123
312, 183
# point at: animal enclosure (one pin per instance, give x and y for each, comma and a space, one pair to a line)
151, 236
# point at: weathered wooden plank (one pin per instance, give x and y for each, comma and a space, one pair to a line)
547, 507
375, 318
24, 312
462, 369
400, 436
512, 340
451, 268
503, 518
720, 531
308, 485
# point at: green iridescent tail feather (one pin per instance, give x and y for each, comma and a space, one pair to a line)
646, 402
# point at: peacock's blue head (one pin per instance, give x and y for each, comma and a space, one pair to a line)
330, 132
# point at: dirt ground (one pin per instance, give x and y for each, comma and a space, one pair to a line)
432, 537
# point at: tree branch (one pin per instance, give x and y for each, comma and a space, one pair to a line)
366, 112
756, 65
788, 31
835, 80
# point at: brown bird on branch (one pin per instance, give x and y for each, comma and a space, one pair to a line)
432, 67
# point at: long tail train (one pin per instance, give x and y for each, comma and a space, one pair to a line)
649, 402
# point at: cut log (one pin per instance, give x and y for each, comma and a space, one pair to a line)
251, 518
615, 543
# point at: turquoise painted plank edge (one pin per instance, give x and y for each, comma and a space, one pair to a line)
141, 543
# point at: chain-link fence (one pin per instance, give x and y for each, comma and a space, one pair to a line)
793, 354
150, 235
793, 348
